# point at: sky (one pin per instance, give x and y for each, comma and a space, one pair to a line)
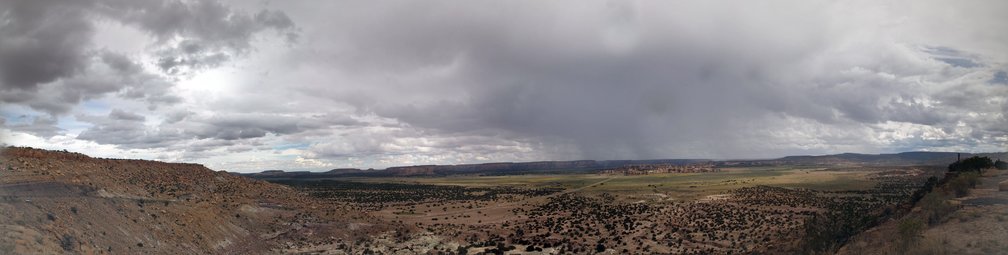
314, 85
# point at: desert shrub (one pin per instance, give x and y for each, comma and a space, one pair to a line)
909, 231
935, 206
67, 242
972, 178
824, 234
960, 187
962, 184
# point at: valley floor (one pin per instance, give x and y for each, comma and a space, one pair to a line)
739, 210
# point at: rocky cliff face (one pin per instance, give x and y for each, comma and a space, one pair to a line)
60, 202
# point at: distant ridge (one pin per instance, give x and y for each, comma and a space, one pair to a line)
591, 166
903, 158
498, 168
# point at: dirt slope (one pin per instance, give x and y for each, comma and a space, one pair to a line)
59, 202
978, 226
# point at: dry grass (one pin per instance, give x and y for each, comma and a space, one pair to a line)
930, 246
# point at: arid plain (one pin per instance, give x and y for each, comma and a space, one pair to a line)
62, 202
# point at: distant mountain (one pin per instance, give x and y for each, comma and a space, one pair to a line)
500, 168
592, 166
904, 158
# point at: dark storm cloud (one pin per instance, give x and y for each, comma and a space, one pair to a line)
244, 126
208, 21
621, 80
527, 74
176, 116
126, 130
519, 76
233, 127
41, 41
120, 62
47, 61
106, 73
130, 130
43, 126
211, 33
118, 114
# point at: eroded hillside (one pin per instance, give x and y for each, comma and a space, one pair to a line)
60, 202
973, 222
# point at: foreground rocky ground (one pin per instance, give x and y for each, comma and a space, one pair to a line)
58, 202
975, 224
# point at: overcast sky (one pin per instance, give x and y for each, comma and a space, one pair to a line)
255, 85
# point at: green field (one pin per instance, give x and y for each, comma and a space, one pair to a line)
682, 186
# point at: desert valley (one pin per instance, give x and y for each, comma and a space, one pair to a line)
63, 202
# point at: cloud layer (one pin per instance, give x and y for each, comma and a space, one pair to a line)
311, 85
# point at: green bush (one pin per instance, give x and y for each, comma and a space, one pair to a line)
974, 163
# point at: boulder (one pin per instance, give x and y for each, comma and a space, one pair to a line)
1003, 186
